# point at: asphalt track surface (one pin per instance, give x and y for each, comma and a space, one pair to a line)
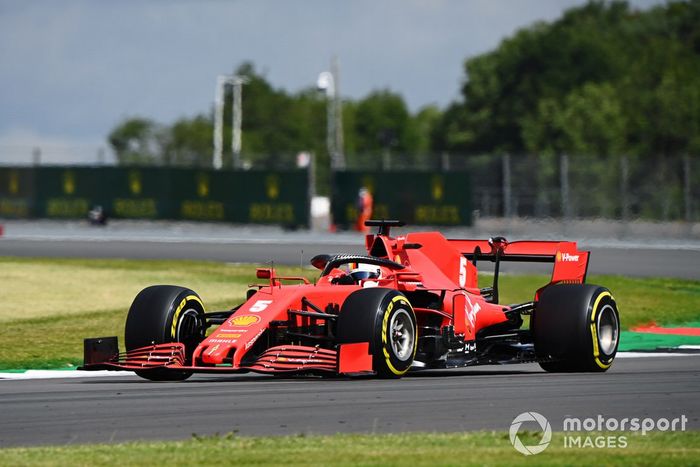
121, 408
635, 261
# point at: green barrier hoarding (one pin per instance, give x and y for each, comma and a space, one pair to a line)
418, 198
64, 192
16, 193
258, 197
261, 197
136, 193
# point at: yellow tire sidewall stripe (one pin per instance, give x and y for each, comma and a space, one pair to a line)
385, 323
178, 310
594, 332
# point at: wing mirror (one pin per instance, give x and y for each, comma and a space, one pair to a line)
320, 261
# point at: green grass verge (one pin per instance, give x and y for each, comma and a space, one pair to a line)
50, 305
478, 448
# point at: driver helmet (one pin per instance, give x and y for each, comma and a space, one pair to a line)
364, 272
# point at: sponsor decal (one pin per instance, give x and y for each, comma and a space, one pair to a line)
437, 187
136, 207
272, 186
244, 320
471, 310
223, 341
68, 182
271, 212
566, 257
202, 185
250, 343
202, 209
135, 185
13, 185
67, 207
443, 214
227, 335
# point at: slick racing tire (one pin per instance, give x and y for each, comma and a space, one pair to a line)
385, 319
576, 327
161, 314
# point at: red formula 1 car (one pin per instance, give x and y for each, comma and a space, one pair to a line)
411, 303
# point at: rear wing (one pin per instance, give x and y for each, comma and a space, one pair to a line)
570, 264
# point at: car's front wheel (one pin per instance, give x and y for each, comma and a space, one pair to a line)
385, 319
163, 314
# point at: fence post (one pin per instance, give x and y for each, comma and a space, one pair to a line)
564, 186
445, 161
507, 194
311, 174
686, 189
624, 188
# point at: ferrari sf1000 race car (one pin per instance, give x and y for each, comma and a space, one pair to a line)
411, 303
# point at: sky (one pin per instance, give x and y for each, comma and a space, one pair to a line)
71, 70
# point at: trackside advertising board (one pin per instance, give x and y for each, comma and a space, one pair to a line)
262, 197
418, 198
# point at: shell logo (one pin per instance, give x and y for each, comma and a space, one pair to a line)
244, 320
558, 256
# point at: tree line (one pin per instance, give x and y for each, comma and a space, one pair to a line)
604, 80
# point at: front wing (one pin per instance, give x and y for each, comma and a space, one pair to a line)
103, 354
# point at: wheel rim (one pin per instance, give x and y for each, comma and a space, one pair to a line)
189, 329
608, 330
402, 335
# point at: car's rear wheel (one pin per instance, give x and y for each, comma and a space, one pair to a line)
385, 319
576, 327
163, 314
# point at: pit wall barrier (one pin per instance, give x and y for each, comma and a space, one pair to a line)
416, 197
260, 197
252, 196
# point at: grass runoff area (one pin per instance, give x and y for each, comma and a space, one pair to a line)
476, 448
50, 305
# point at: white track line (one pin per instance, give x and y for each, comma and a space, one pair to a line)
52, 374
655, 354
